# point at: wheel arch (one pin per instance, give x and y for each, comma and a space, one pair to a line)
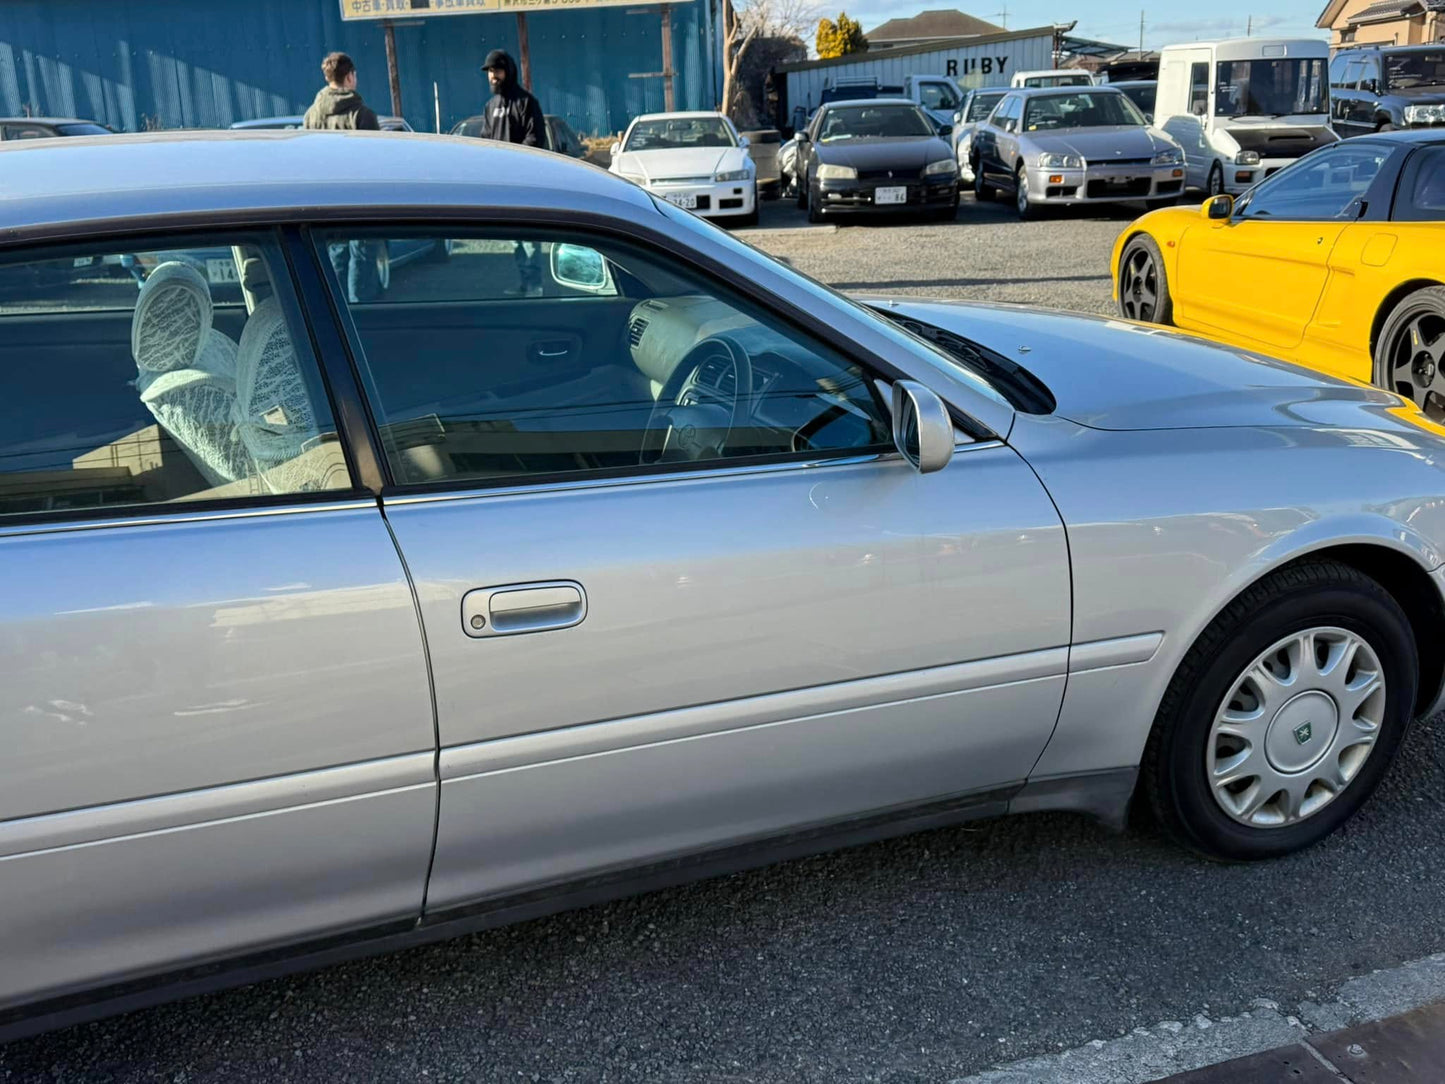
1387, 306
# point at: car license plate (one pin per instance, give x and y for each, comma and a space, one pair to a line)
890, 195
222, 271
84, 261
687, 203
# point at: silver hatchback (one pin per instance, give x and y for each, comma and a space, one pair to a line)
602, 552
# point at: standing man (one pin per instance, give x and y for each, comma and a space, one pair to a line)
514, 116
339, 108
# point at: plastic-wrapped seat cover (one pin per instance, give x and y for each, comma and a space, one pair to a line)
188, 371
273, 408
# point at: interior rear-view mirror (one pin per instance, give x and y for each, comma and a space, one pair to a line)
1218, 207
580, 268
922, 429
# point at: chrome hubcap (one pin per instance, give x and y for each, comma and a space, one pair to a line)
1023, 191
1296, 728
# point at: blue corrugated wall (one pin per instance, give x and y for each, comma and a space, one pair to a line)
207, 63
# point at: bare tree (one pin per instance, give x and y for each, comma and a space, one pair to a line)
745, 23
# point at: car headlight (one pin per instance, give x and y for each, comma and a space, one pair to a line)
1425, 114
733, 175
1169, 156
1247, 158
837, 173
944, 167
1060, 161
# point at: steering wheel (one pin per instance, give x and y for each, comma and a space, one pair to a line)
696, 412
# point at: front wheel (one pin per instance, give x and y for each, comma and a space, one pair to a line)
815, 205
1284, 716
1410, 352
1215, 185
1143, 286
1023, 202
982, 190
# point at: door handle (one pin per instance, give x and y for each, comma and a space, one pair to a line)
523, 607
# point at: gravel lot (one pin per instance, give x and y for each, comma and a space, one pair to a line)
922, 959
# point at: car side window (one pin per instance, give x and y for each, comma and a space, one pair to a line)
1337, 70
27, 131
621, 360
155, 373
1370, 73
1421, 195
1325, 186
1199, 89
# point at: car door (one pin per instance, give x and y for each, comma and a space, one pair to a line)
692, 598
1258, 276
214, 708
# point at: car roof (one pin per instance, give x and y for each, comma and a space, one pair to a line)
696, 114
1049, 92
49, 120
1386, 47
1405, 135
156, 180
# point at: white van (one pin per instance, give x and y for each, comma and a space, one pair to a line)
1244, 108
1053, 77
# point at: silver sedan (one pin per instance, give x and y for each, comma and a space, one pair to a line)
1072, 146
606, 553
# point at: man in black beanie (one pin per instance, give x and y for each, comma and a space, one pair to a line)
514, 116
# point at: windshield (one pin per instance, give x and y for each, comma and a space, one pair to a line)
674, 133
1270, 88
82, 129
875, 122
1081, 109
1071, 80
1406, 70
982, 105
1142, 96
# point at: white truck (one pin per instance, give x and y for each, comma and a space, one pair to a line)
938, 95
1244, 108
1052, 77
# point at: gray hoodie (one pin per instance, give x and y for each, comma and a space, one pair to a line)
340, 110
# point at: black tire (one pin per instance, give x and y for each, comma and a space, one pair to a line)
1027, 210
1295, 599
815, 209
1415, 369
1143, 284
945, 214
982, 190
1215, 185
802, 183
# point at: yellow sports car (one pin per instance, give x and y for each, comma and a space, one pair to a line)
1336, 262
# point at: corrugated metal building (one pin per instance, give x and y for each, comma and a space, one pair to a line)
983, 61
134, 64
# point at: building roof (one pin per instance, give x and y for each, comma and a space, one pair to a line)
927, 25
1384, 11
65, 187
920, 49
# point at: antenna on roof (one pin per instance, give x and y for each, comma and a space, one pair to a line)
1002, 16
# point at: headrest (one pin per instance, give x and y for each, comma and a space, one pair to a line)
172, 319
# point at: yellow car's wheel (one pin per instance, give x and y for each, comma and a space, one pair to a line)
1143, 286
1410, 352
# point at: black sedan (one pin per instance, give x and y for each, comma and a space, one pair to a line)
880, 155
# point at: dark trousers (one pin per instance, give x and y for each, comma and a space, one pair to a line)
355, 267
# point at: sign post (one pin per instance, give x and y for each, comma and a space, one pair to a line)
393, 73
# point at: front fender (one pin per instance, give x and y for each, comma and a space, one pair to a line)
1167, 227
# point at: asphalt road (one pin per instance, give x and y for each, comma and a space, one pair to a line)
921, 959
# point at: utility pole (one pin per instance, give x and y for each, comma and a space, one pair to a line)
393, 72
1249, 27
1141, 35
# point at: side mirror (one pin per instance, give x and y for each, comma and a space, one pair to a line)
922, 429
802, 135
945, 130
1148, 118
580, 268
744, 142
1218, 207
616, 149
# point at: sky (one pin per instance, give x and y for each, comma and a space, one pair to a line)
1118, 20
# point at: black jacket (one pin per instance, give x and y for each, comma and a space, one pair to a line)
341, 110
513, 115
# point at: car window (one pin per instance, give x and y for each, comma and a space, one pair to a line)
1327, 185
1081, 109
28, 131
672, 133
584, 377
937, 96
875, 122
150, 375
981, 105
1337, 69
1142, 96
1353, 70
1406, 71
1199, 89
83, 129
1422, 188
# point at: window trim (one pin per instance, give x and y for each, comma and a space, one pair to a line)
20, 523
582, 225
1409, 173
1377, 197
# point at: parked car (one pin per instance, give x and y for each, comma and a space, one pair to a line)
788, 159
1380, 88
1051, 77
15, 128
1072, 146
289, 584
1245, 108
975, 109
1334, 263
388, 124
878, 156
1142, 92
561, 138
764, 145
696, 161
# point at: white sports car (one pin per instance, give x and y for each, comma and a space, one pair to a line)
694, 160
